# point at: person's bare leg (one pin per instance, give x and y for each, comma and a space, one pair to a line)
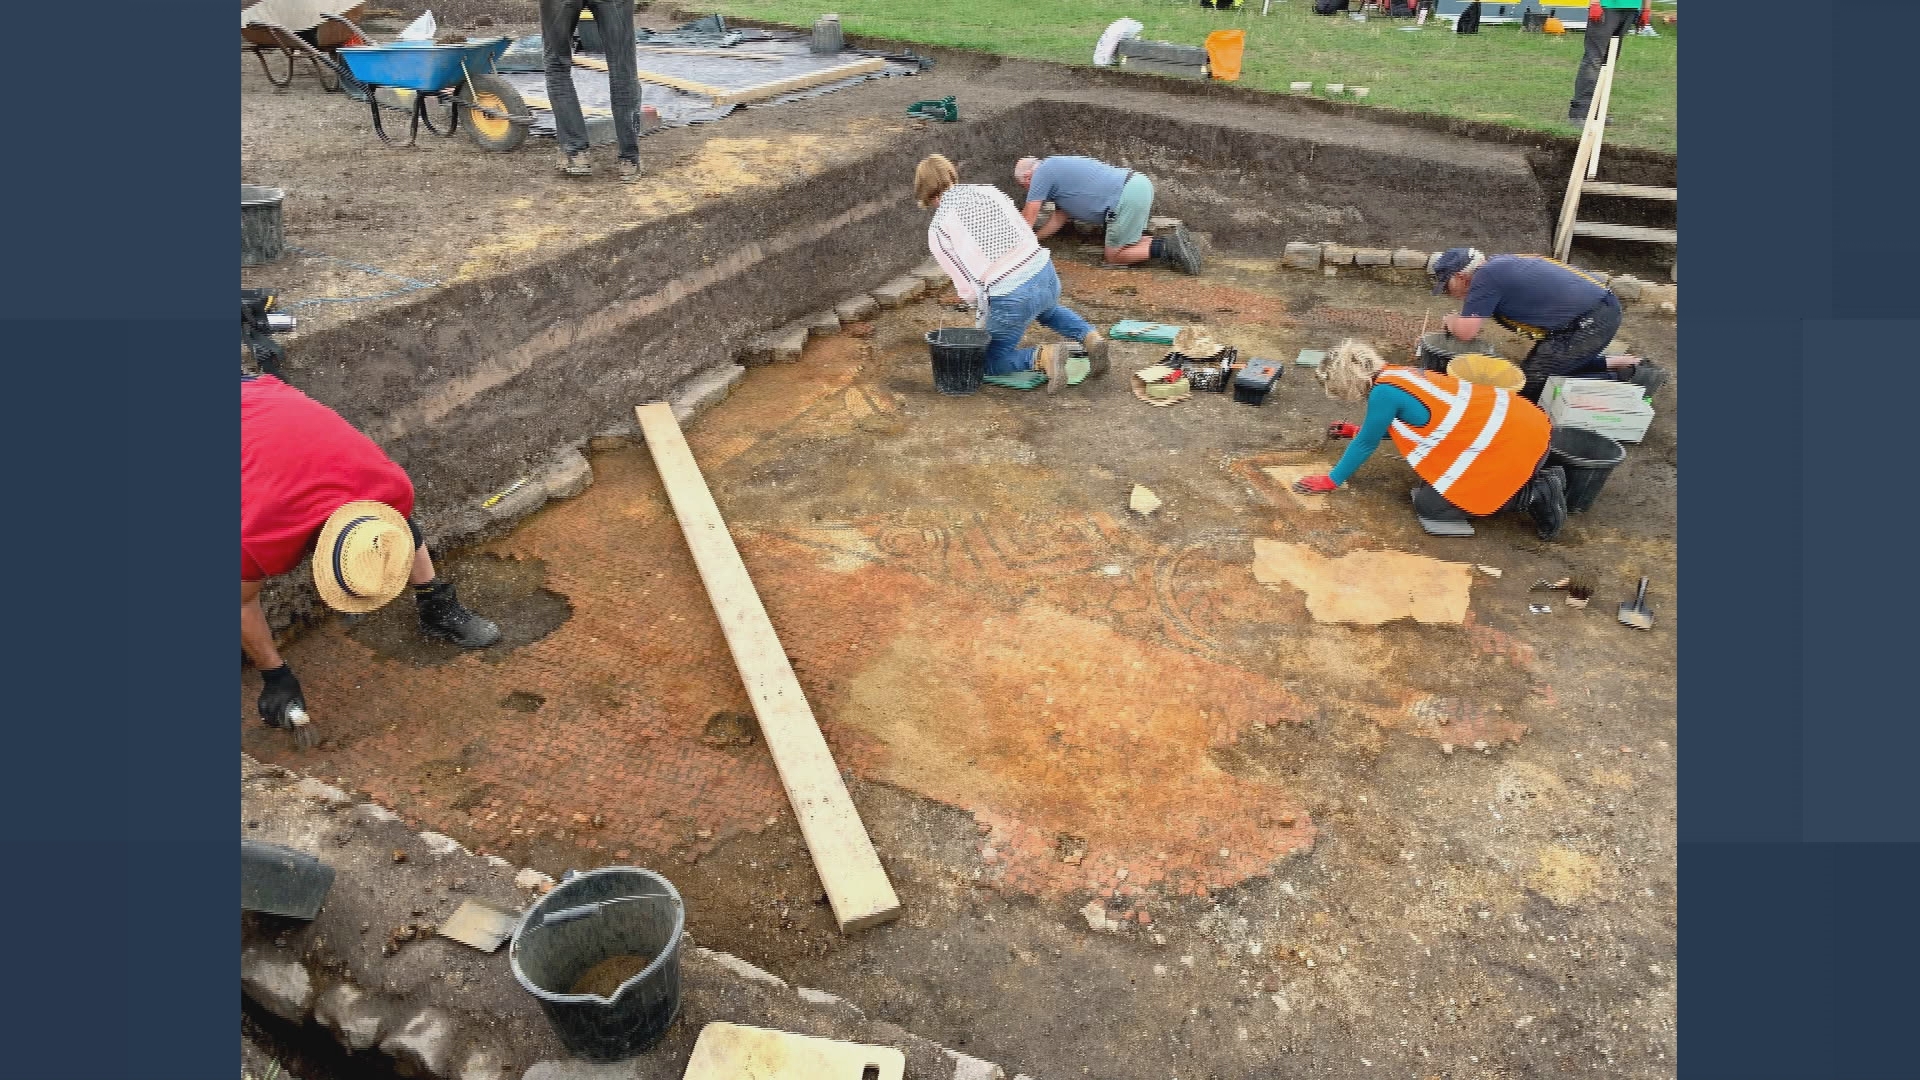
422, 567
256, 638
1137, 252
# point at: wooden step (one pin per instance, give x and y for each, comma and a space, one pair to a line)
1630, 191
1626, 232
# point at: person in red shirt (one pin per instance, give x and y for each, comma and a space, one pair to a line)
310, 484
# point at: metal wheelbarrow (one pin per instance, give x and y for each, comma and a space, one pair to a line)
457, 78
315, 29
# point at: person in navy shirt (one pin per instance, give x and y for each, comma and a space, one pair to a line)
1568, 314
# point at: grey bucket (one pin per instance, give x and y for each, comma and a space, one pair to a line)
827, 38
548, 959
261, 238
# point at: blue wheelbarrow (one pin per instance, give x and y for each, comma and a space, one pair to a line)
455, 78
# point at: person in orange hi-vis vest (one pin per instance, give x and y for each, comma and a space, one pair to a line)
1479, 449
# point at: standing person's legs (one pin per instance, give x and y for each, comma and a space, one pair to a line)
557, 18
1613, 23
1567, 353
616, 28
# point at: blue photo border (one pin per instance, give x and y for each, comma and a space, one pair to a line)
116, 315
1798, 827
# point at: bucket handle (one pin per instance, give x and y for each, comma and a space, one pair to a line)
589, 910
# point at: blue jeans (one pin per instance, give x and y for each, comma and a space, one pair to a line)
1008, 316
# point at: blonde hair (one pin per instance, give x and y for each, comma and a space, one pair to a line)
1349, 371
932, 177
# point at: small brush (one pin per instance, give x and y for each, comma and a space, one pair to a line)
304, 736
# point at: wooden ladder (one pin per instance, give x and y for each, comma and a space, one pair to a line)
1586, 166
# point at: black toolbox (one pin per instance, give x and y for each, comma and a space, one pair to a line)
1255, 381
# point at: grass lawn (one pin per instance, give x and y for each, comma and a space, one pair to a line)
1499, 75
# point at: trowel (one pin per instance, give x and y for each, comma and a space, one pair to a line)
279, 880
1635, 613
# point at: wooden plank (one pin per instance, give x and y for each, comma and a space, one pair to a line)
1603, 100
1589, 140
736, 1052
540, 101
801, 82
722, 95
1626, 232
1632, 191
843, 855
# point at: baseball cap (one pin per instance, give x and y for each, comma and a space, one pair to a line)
1450, 262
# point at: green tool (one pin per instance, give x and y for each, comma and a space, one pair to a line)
1135, 330
942, 109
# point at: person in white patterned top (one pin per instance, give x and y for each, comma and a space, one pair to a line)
980, 240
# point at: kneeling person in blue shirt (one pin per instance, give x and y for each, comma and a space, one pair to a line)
1568, 314
1089, 190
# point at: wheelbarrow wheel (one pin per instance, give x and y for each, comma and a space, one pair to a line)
503, 131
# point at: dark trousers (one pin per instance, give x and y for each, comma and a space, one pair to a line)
1614, 22
1572, 349
615, 19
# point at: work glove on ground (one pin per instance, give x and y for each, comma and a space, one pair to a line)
1340, 429
279, 696
1315, 485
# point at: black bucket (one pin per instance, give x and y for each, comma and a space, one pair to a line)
959, 358
646, 920
1589, 459
261, 237
1438, 349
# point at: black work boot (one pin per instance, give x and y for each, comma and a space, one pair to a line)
1548, 504
1181, 250
443, 616
1647, 376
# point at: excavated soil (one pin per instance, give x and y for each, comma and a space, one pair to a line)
1443, 845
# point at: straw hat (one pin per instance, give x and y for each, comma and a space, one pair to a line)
1486, 371
363, 557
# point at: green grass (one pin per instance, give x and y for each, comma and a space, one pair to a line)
1500, 75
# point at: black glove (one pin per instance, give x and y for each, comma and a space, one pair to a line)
281, 694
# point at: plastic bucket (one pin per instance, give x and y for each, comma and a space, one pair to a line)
959, 358
827, 38
551, 960
1224, 49
262, 239
587, 29
1589, 458
1438, 349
